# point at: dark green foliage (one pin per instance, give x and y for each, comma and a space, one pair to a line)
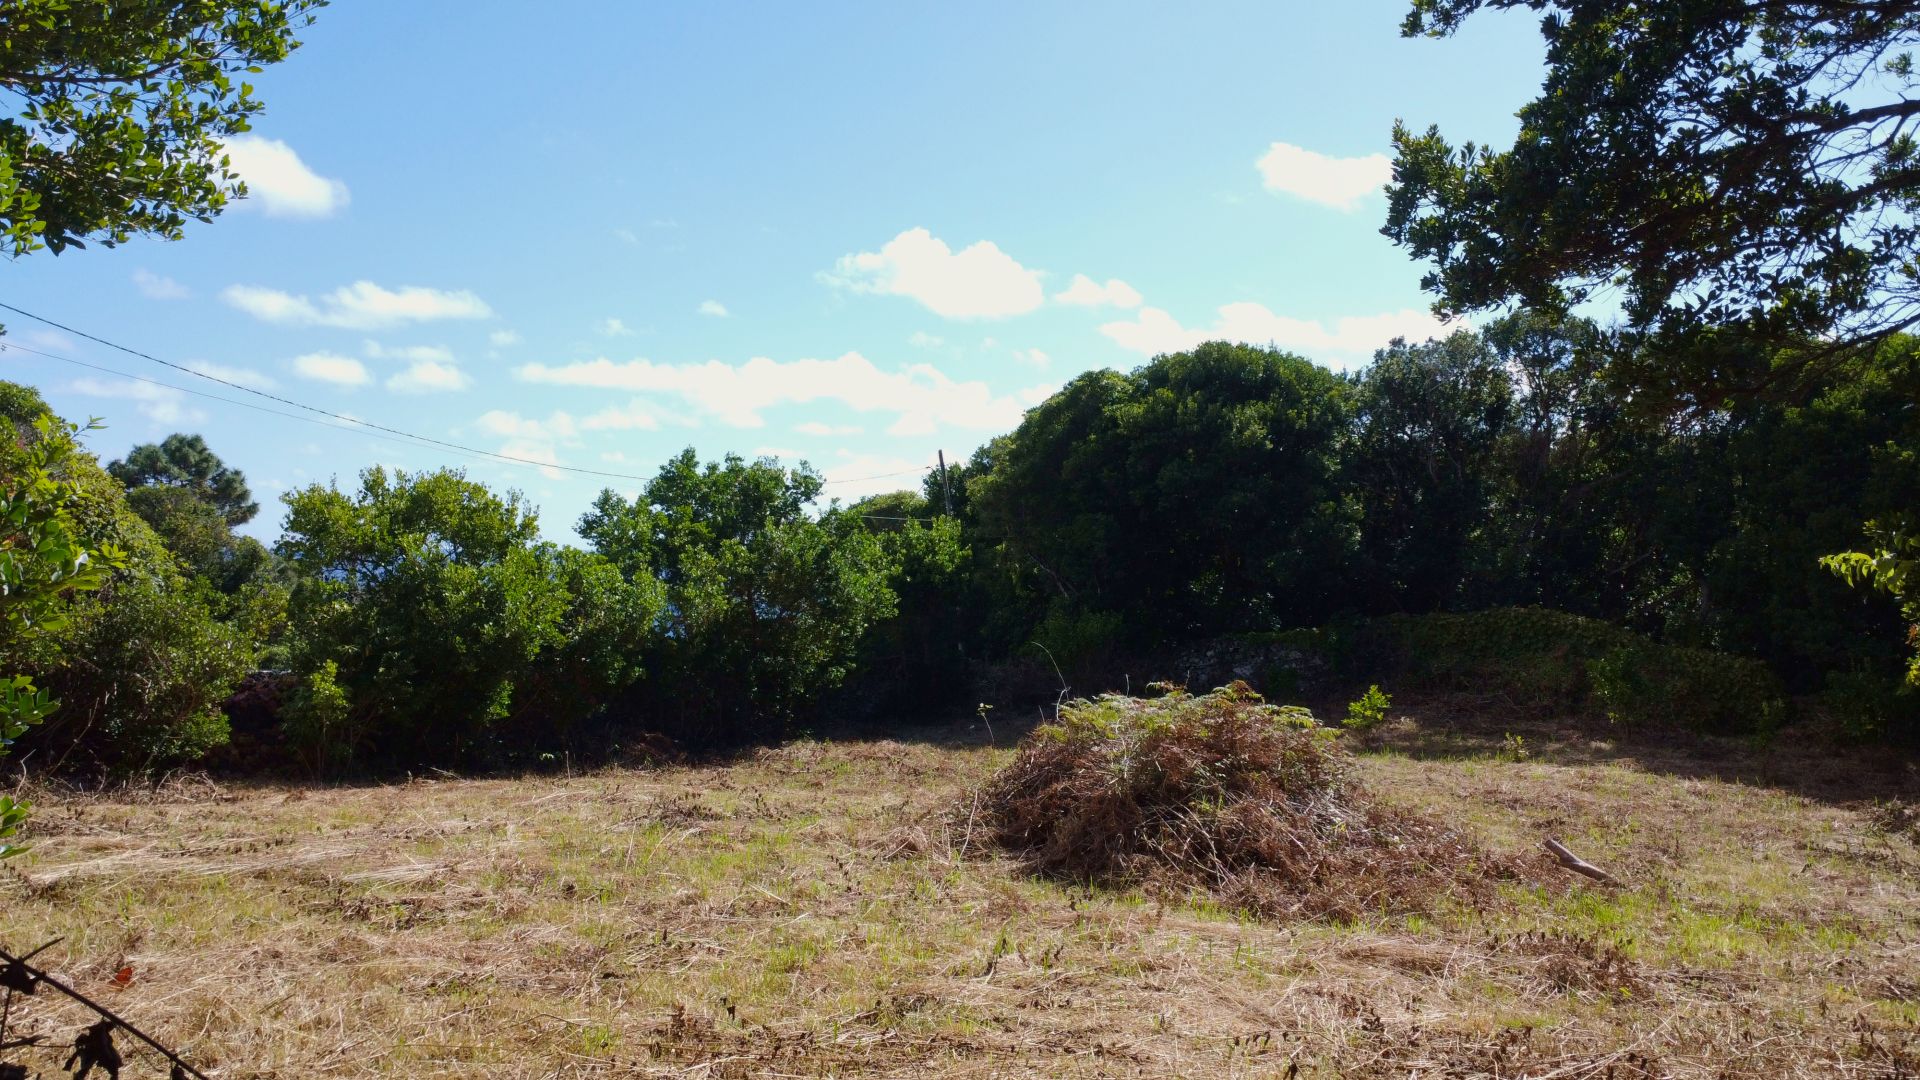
765, 607
1538, 658
1743, 173
122, 111
142, 672
1531, 655
185, 463
1199, 494
916, 659
139, 663
1432, 419
1868, 708
436, 603
1670, 687
45, 559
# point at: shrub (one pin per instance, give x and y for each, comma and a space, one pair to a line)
1533, 655
315, 716
1870, 706
1369, 709
436, 605
1550, 659
765, 605
1671, 686
1225, 792
1084, 644
143, 671
137, 659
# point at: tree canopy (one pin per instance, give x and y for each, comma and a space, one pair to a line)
185, 461
123, 113
1742, 172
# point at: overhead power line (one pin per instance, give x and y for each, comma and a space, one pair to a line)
367, 426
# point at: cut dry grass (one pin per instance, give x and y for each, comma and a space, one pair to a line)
1255, 803
807, 912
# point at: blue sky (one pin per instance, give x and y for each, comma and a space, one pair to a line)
854, 234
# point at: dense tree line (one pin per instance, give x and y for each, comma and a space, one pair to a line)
1698, 472
420, 620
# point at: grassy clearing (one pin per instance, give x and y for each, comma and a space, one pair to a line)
804, 912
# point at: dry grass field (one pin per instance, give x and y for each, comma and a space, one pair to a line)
811, 910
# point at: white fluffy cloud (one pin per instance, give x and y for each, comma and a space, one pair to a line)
430, 368
429, 377
161, 404
1083, 291
560, 425
920, 397
1337, 182
158, 286
978, 282
362, 305
1032, 356
332, 368
501, 339
1347, 343
279, 182
615, 328
714, 308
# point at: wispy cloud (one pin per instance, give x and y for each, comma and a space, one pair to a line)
332, 368
243, 376
920, 397
161, 404
531, 438
714, 308
362, 305
429, 377
1346, 342
158, 286
816, 428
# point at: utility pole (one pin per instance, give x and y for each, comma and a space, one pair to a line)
946, 489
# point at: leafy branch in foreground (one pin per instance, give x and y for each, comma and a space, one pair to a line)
1738, 173
44, 559
1892, 567
124, 111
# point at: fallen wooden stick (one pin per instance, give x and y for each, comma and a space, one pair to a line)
1577, 864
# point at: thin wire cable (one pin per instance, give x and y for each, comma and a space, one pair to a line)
6, 346
317, 410
358, 424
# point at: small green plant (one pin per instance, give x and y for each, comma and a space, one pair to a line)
1370, 709
12, 815
1513, 748
316, 717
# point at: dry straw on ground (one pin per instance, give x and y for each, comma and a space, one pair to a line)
807, 911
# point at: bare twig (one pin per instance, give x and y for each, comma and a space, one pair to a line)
1577, 864
42, 978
